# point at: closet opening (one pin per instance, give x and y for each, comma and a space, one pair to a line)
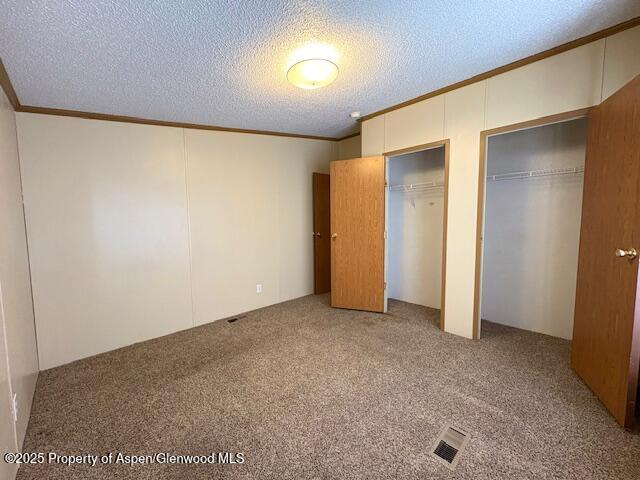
416, 227
533, 183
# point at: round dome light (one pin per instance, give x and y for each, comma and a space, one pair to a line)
313, 73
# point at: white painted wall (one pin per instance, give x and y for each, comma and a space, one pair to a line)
415, 229
18, 355
532, 230
349, 148
251, 219
138, 231
571, 80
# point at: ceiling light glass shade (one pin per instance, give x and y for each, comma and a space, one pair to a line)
313, 73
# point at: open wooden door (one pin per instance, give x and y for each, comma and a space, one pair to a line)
606, 333
321, 234
357, 233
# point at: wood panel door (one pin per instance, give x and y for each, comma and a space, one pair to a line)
606, 334
357, 233
321, 234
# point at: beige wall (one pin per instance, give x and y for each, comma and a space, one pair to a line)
372, 136
137, 231
18, 356
349, 148
7, 425
426, 120
565, 82
106, 215
250, 206
575, 79
622, 60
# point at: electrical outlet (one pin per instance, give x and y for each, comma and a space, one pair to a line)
259, 288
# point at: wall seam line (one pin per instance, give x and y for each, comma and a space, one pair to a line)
384, 129
444, 116
484, 113
189, 242
26, 241
14, 424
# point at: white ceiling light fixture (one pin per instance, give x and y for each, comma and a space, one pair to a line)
355, 115
313, 73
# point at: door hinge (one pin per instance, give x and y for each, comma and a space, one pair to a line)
385, 285
385, 234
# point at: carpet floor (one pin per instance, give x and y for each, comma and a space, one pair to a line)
309, 392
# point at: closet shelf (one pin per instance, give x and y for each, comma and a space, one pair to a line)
418, 187
550, 172
437, 184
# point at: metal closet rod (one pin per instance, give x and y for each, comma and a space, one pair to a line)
549, 172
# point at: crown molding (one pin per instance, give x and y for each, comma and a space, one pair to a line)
348, 136
146, 121
634, 22
7, 87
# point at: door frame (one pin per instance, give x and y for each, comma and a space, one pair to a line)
419, 148
314, 176
482, 181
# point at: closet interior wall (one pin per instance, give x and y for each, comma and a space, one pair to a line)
415, 225
532, 228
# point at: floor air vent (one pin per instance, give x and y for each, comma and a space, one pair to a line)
235, 319
449, 446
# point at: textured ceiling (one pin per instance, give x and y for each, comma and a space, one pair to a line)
224, 62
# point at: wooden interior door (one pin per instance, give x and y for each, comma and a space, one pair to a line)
321, 234
357, 233
606, 334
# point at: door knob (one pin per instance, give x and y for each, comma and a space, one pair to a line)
630, 254
334, 236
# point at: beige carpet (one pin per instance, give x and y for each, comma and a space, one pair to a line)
309, 392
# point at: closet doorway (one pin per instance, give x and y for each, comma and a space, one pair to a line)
559, 253
388, 229
416, 206
533, 187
